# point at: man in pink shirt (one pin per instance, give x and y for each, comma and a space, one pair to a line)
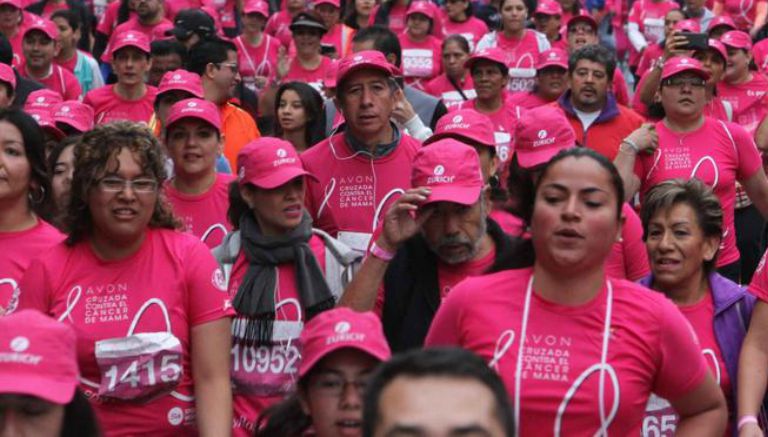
40, 45
365, 166
149, 20
433, 237
130, 98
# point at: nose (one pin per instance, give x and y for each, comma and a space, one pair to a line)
451, 224
665, 242
350, 397
9, 424
366, 99
570, 210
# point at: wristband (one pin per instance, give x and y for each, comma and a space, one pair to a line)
745, 420
380, 253
631, 145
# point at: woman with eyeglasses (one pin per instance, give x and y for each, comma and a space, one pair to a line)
686, 143
328, 399
25, 199
148, 303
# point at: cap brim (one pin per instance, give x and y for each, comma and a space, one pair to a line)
191, 115
308, 25
461, 195
279, 178
552, 64
701, 73
472, 61
457, 136
178, 33
363, 66
584, 18
49, 389
529, 159
372, 350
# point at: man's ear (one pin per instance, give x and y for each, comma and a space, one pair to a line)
210, 70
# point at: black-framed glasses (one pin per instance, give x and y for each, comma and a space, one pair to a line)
116, 185
679, 82
332, 385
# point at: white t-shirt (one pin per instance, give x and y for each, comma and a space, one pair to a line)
587, 118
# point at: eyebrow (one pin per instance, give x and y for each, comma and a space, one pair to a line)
415, 430
560, 187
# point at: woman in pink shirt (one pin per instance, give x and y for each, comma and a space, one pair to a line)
455, 85
391, 14
458, 20
25, 200
275, 266
578, 351
748, 15
686, 144
308, 65
520, 45
421, 54
279, 24
257, 52
299, 115
148, 303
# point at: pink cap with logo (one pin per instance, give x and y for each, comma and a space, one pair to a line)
688, 26
366, 59
421, 7
42, 99
342, 328
38, 357
130, 38
541, 133
194, 108
7, 75
552, 58
75, 114
336, 3
181, 80
464, 124
44, 119
548, 7
721, 20
451, 170
269, 163
492, 54
582, 16
48, 27
680, 64
257, 7
719, 47
14, 3
737, 39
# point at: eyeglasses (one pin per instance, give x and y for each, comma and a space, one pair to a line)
583, 28
231, 65
335, 386
116, 185
679, 82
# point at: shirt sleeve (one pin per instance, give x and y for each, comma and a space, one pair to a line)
33, 290
444, 330
759, 284
748, 155
207, 296
677, 344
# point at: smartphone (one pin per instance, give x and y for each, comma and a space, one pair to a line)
327, 49
696, 41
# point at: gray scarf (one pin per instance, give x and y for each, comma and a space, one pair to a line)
255, 299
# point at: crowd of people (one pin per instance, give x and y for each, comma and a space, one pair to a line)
383, 218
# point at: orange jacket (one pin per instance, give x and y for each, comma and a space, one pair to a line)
238, 129
605, 134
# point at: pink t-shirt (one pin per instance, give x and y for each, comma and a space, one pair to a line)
353, 193
312, 77
628, 258
648, 340
396, 17
472, 29
278, 26
742, 11
660, 418
521, 59
421, 61
257, 61
172, 7
16, 45
49, 8
108, 21
340, 36
650, 55
450, 275
711, 155
527, 100
760, 55
27, 245
504, 121
60, 80
510, 223
100, 299
204, 215
153, 32
749, 101
248, 406
442, 88
649, 16
108, 106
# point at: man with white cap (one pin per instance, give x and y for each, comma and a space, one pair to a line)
433, 237
363, 168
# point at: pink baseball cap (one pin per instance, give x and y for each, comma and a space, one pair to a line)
718, 47
678, 64
737, 39
582, 16
39, 357
256, 7
14, 3
42, 99
7, 75
421, 7
335, 3
269, 163
76, 114
451, 170
194, 108
540, 134
464, 124
44, 119
492, 54
548, 7
688, 26
342, 328
130, 38
721, 20
48, 27
366, 59
181, 80
552, 58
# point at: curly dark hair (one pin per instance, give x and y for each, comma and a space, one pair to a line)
96, 152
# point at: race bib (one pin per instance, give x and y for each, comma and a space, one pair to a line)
503, 140
653, 29
660, 418
417, 63
453, 98
521, 80
358, 241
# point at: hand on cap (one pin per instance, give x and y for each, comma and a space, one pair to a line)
645, 138
403, 111
401, 221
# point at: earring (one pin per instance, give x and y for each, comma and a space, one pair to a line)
40, 198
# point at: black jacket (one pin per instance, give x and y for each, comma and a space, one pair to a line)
412, 293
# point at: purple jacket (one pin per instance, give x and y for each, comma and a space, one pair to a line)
733, 310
